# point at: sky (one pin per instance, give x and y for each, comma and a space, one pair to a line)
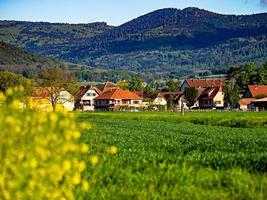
114, 12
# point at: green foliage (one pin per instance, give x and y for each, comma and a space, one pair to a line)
163, 156
150, 89
191, 95
172, 86
248, 74
232, 94
136, 84
19, 83
123, 84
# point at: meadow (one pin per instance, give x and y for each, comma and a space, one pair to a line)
203, 155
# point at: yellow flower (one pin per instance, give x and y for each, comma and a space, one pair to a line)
9, 92
53, 117
83, 125
66, 165
10, 119
33, 163
81, 166
85, 186
76, 134
113, 150
76, 178
84, 148
2, 97
1, 180
94, 160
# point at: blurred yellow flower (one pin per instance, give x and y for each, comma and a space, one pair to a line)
66, 165
9, 92
85, 186
94, 160
2, 97
112, 150
84, 148
76, 178
81, 166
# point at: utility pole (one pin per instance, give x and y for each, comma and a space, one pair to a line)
182, 108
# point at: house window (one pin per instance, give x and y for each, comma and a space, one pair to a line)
136, 102
218, 102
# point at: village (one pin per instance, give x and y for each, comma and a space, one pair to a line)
110, 97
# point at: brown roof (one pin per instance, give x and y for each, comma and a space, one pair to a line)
108, 86
118, 94
205, 83
258, 90
246, 101
210, 93
83, 89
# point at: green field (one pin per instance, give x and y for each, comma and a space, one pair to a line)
204, 155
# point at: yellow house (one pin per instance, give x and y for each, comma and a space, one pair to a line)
43, 99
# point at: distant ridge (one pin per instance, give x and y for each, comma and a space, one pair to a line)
168, 40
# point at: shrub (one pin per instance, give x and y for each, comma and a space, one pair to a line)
39, 153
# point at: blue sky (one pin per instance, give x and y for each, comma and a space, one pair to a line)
114, 12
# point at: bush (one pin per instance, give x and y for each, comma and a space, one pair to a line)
39, 153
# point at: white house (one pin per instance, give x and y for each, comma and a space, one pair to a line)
84, 98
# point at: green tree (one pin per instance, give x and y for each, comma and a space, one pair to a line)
232, 94
262, 75
54, 81
150, 89
191, 96
170, 103
172, 86
123, 84
12, 80
136, 84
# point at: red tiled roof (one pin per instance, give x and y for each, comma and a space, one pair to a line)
205, 83
118, 94
258, 90
139, 93
83, 89
246, 101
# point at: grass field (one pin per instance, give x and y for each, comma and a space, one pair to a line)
204, 155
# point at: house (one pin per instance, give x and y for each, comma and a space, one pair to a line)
259, 104
118, 99
41, 98
210, 92
211, 97
84, 98
256, 91
251, 97
245, 104
201, 83
163, 100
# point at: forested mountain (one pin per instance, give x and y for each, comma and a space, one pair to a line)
14, 59
48, 38
167, 41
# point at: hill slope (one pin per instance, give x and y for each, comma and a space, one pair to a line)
167, 41
14, 59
